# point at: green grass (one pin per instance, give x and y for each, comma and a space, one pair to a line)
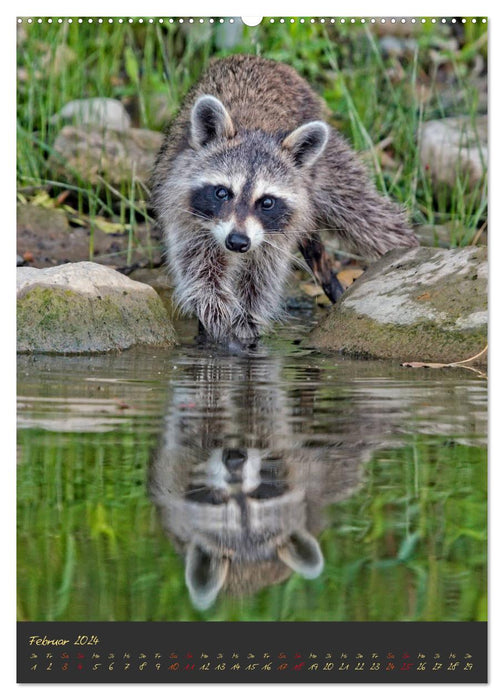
373, 99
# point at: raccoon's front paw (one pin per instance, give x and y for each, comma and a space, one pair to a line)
236, 346
246, 331
229, 342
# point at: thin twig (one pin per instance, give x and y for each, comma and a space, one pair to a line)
470, 359
441, 365
478, 233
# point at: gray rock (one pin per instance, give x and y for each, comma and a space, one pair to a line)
97, 111
391, 46
84, 307
454, 147
424, 304
88, 155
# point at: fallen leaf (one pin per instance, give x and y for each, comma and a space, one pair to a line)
349, 275
61, 197
78, 221
108, 226
43, 199
313, 290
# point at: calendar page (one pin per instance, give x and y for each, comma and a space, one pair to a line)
252, 348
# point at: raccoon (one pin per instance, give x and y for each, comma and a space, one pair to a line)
248, 174
240, 491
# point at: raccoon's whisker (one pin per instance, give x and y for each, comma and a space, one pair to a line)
310, 231
299, 262
195, 214
202, 233
197, 489
274, 482
296, 261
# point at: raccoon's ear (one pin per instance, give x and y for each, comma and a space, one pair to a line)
302, 554
307, 142
209, 120
205, 574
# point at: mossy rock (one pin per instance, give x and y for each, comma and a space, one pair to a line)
87, 308
425, 305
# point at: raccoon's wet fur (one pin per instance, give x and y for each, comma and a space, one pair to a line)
249, 172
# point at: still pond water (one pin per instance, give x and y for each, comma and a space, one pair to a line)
188, 485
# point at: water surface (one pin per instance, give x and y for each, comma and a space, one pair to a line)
186, 484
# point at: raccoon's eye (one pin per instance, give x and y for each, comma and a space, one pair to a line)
222, 193
267, 203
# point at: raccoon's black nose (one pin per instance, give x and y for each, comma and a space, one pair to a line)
237, 242
233, 458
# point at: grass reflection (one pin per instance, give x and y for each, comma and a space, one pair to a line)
409, 545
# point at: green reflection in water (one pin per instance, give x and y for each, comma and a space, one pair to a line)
409, 545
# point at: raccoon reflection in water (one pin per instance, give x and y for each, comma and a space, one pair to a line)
240, 491
249, 173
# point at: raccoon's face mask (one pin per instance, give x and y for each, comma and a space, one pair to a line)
244, 207
222, 547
